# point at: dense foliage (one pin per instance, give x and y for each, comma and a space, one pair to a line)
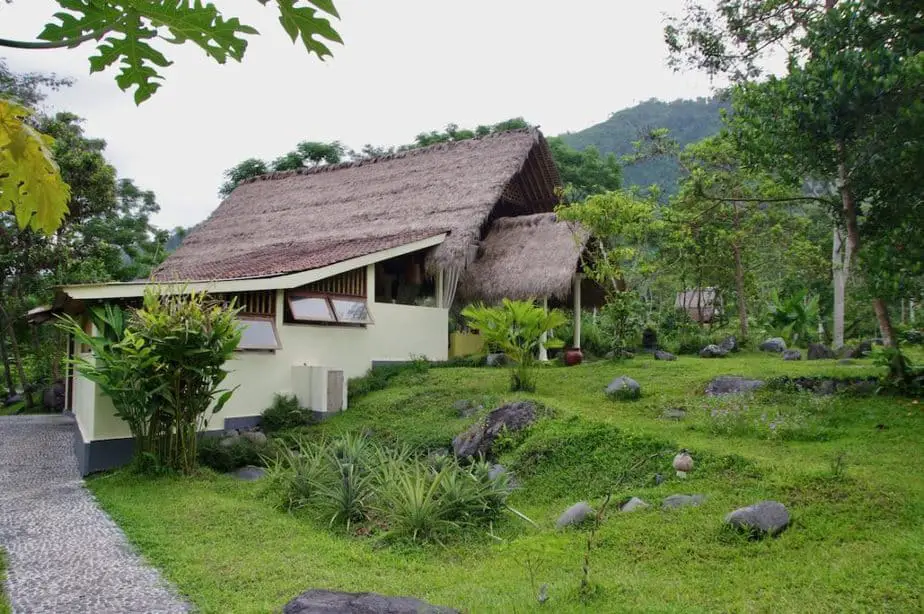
162, 365
519, 329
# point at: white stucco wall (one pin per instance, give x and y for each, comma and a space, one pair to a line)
398, 333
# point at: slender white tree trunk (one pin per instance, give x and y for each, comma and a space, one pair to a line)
840, 266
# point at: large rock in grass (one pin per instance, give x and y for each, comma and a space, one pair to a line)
819, 351
761, 519
479, 438
676, 501
624, 388
776, 344
731, 384
792, 355
712, 351
576, 515
318, 601
662, 355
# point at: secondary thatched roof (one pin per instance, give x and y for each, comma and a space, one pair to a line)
298, 220
525, 257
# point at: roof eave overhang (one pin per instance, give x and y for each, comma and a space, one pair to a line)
277, 282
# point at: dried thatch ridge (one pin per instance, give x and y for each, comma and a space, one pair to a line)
526, 257
298, 220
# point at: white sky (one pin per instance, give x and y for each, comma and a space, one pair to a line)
407, 66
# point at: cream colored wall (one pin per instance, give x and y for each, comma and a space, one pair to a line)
398, 333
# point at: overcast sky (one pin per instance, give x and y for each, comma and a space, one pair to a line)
407, 66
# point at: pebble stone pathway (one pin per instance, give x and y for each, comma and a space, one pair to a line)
64, 554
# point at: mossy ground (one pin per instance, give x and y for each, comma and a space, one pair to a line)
848, 467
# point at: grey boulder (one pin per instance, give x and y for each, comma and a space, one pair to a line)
729, 344
775, 344
624, 387
662, 355
674, 413
479, 438
731, 384
249, 473
819, 351
634, 504
792, 355
577, 514
712, 351
764, 518
676, 501
255, 437
317, 601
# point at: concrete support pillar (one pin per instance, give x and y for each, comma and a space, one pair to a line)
577, 311
543, 354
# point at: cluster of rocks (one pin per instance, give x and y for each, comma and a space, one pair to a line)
478, 439
816, 351
732, 384
762, 519
827, 385
233, 436
319, 601
720, 350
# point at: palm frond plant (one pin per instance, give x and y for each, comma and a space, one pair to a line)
517, 328
794, 318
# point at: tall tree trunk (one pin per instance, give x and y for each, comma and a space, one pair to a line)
853, 240
739, 277
5, 358
17, 357
840, 268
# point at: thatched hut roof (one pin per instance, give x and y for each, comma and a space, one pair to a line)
298, 220
525, 257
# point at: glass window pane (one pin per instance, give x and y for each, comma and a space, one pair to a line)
310, 308
351, 310
258, 335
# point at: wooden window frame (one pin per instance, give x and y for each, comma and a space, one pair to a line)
328, 300
272, 320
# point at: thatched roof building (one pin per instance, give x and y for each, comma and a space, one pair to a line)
299, 220
525, 257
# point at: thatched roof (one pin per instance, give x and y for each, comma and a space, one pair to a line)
298, 220
525, 257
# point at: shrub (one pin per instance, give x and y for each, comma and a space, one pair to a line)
516, 328
237, 453
162, 366
795, 318
352, 480
284, 413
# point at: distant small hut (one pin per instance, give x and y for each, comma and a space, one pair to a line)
703, 305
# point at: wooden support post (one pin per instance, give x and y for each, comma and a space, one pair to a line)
439, 290
577, 311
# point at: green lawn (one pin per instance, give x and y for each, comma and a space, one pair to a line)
856, 544
4, 602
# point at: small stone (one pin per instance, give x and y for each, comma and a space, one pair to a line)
624, 388
792, 355
731, 384
577, 514
674, 413
676, 501
662, 355
683, 463
712, 351
761, 519
729, 344
819, 351
249, 473
498, 359
255, 437
633, 505
775, 344
659, 479
496, 471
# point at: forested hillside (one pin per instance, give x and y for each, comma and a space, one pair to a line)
687, 120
